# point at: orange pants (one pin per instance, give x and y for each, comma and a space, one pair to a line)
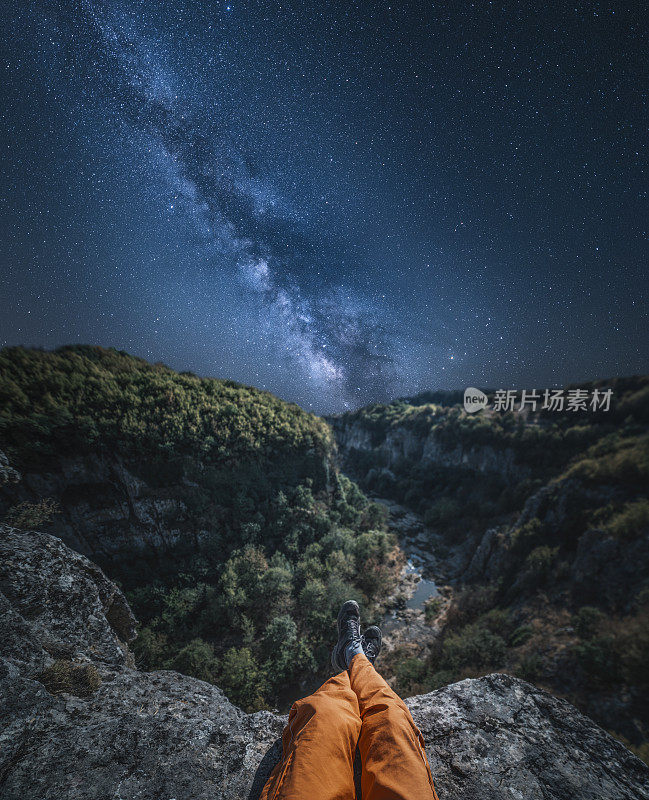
356, 707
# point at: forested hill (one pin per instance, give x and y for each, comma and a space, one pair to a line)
85, 399
217, 506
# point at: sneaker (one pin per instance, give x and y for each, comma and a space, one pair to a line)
372, 640
349, 635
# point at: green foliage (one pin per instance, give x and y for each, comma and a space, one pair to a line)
530, 668
442, 511
539, 562
82, 398
593, 469
272, 614
614, 460
527, 536
432, 608
150, 648
242, 679
598, 658
411, 674
587, 621
614, 650
466, 648
521, 635
473, 646
196, 658
287, 656
632, 520
32, 516
599, 447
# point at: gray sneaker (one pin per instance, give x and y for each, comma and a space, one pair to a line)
372, 640
349, 633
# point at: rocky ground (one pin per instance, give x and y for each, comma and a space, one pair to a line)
80, 723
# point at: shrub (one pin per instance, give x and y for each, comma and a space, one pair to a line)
538, 563
599, 659
242, 680
439, 679
633, 649
432, 608
631, 521
411, 673
470, 603
286, 655
442, 511
521, 635
197, 659
32, 516
81, 680
472, 646
587, 621
151, 648
530, 668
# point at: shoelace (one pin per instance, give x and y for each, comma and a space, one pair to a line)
371, 651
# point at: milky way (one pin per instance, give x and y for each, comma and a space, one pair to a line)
341, 204
333, 338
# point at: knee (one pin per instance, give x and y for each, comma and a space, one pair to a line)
323, 707
389, 713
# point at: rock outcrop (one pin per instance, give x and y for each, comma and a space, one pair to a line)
130, 734
401, 444
106, 510
7, 473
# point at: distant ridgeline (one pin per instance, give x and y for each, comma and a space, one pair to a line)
217, 506
547, 515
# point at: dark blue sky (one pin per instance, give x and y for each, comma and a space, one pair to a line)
338, 202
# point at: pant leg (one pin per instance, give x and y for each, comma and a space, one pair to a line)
318, 746
394, 761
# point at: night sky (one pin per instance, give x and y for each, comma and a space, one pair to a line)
339, 202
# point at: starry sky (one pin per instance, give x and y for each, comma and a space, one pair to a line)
338, 202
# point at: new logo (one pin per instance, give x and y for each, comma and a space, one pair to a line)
474, 400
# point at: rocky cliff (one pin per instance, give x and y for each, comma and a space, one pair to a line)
419, 447
79, 721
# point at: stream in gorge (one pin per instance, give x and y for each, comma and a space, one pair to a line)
423, 578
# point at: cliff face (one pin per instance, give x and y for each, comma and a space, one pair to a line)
401, 444
601, 566
79, 721
105, 509
108, 508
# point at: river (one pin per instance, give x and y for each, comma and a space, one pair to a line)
422, 579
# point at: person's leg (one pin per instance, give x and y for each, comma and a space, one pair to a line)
394, 761
318, 746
